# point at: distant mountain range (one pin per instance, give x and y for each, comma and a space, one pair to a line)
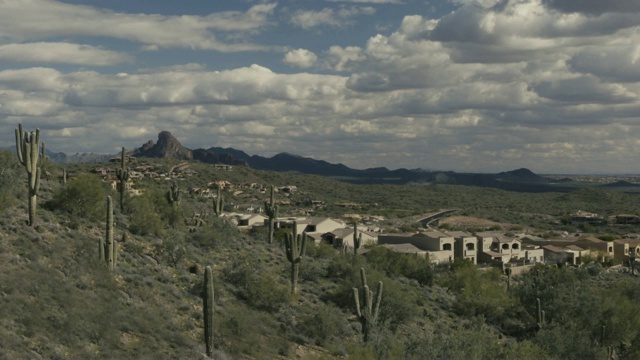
167, 146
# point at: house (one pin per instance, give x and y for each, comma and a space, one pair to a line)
584, 217
319, 224
621, 249
591, 243
466, 245
626, 219
405, 249
495, 247
439, 246
532, 253
344, 237
554, 253
251, 220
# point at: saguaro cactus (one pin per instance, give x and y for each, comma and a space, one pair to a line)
122, 173
272, 212
110, 248
173, 195
207, 309
294, 246
218, 203
369, 314
64, 177
357, 239
43, 160
539, 314
27, 150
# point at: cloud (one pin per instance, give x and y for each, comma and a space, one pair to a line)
61, 53
369, 1
618, 63
491, 86
336, 18
42, 19
583, 89
300, 57
593, 7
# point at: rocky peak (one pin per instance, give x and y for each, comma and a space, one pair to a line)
166, 147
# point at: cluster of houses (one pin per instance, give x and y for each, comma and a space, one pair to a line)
492, 248
489, 247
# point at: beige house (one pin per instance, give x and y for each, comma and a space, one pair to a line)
344, 237
319, 224
439, 246
251, 220
495, 247
405, 249
532, 253
465, 246
621, 249
594, 244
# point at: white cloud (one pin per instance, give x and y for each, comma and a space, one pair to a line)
491, 86
337, 18
341, 58
369, 1
42, 19
61, 53
300, 57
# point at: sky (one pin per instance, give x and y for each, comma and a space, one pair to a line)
462, 85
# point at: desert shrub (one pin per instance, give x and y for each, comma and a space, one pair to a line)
324, 324
479, 293
219, 233
321, 250
144, 220
339, 267
397, 264
255, 284
10, 181
84, 197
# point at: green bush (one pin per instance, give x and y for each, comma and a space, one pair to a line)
324, 324
144, 220
84, 197
396, 264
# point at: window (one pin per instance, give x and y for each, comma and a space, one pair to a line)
446, 247
505, 246
470, 246
516, 246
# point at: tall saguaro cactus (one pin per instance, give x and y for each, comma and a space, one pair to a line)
539, 314
27, 150
357, 239
122, 173
218, 203
207, 309
110, 247
369, 314
271, 210
294, 246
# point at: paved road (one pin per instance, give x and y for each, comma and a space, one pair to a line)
425, 221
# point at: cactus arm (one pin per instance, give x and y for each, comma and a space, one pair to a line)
356, 297
20, 144
378, 300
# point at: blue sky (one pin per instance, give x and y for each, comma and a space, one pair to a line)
464, 85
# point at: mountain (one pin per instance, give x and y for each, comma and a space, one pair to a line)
166, 147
